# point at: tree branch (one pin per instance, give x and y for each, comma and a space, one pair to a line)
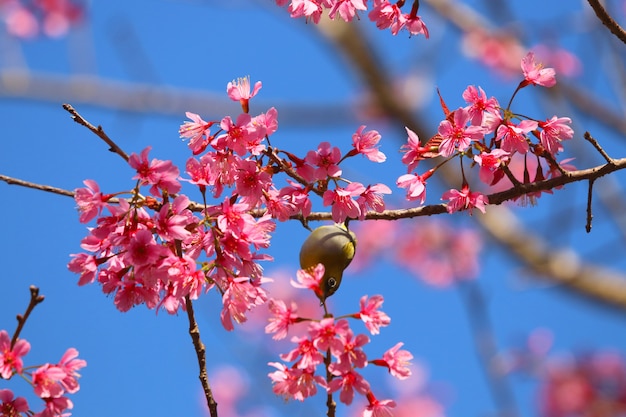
607, 20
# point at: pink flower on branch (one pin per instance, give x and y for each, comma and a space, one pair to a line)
90, 201
414, 151
535, 73
490, 165
372, 198
305, 351
11, 357
326, 159
348, 382
479, 104
159, 174
415, 185
366, 143
370, 314
513, 137
397, 361
310, 279
283, 318
554, 131
378, 408
197, 131
12, 407
456, 136
343, 205
240, 91
464, 200
346, 9
294, 383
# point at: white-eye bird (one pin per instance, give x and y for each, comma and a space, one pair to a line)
334, 247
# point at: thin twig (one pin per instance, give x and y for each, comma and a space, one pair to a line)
607, 20
599, 148
35, 299
96, 130
28, 184
589, 214
200, 349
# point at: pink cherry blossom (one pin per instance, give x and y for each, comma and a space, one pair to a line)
298, 195
307, 8
294, 383
414, 151
307, 354
84, 264
352, 354
513, 137
479, 104
283, 318
343, 204
366, 143
70, 364
387, 15
251, 182
197, 131
348, 382
310, 279
12, 407
237, 135
240, 297
456, 136
159, 174
346, 9
415, 186
143, 249
171, 220
55, 407
47, 381
464, 200
553, 132
415, 25
11, 357
324, 334
535, 74
378, 408
325, 159
240, 91
490, 164
372, 198
398, 361
90, 201
370, 314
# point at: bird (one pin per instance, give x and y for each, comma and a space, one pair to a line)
333, 246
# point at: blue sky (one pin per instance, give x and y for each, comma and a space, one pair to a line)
140, 363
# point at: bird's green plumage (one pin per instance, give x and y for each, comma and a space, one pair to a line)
333, 246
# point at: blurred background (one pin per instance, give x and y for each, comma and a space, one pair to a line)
519, 312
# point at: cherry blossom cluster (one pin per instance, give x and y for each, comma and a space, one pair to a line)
153, 249
26, 19
50, 382
385, 14
331, 344
491, 136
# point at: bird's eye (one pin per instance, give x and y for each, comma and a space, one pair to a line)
332, 282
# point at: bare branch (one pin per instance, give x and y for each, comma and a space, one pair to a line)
200, 349
35, 299
96, 130
607, 20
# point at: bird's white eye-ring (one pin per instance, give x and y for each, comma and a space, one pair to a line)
332, 282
